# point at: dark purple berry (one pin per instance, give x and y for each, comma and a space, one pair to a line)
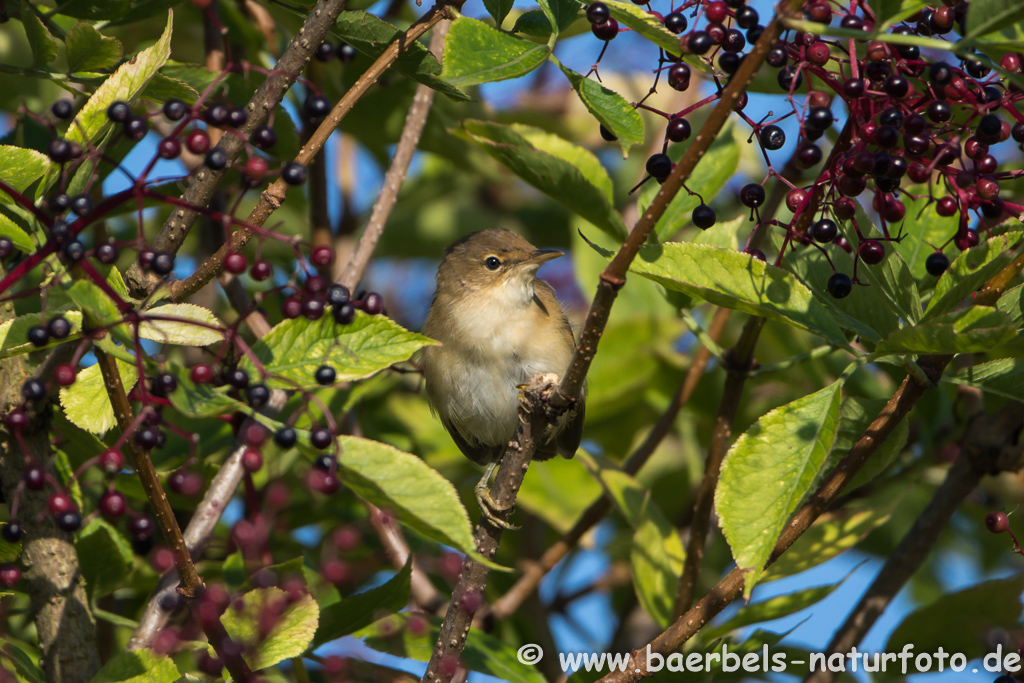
839, 285
936, 263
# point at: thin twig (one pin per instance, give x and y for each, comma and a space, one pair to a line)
468, 593
988, 448
415, 121
272, 198
508, 603
422, 591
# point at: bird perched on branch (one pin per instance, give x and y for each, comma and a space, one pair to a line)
498, 325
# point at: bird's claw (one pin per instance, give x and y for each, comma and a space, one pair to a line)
490, 509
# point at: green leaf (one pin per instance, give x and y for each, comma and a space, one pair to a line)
483, 653
15, 234
924, 227
359, 611
533, 23
42, 44
13, 339
959, 622
656, 553
986, 16
476, 53
170, 325
656, 557
770, 609
9, 552
292, 632
293, 350
1004, 377
124, 84
781, 454
735, 280
833, 533
608, 107
550, 173
498, 9
105, 557
892, 279
21, 168
25, 665
94, 10
100, 309
1012, 304
972, 269
138, 666
856, 415
402, 483
90, 50
560, 13
976, 329
371, 36
86, 402
710, 175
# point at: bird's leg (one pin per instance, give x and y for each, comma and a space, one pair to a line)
488, 507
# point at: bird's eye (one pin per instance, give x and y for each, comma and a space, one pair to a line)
492, 262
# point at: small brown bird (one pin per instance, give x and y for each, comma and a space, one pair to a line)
498, 326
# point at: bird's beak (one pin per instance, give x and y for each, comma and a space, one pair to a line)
541, 256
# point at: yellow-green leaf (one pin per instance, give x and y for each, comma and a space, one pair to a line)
86, 402
768, 471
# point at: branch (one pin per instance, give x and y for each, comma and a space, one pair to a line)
272, 198
466, 599
415, 121
423, 592
191, 585
613, 277
507, 604
269, 94
989, 448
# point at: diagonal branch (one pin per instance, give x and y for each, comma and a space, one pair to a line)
738, 367
269, 94
272, 198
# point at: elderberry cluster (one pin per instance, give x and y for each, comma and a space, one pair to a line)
908, 118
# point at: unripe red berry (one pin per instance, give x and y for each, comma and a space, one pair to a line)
997, 521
